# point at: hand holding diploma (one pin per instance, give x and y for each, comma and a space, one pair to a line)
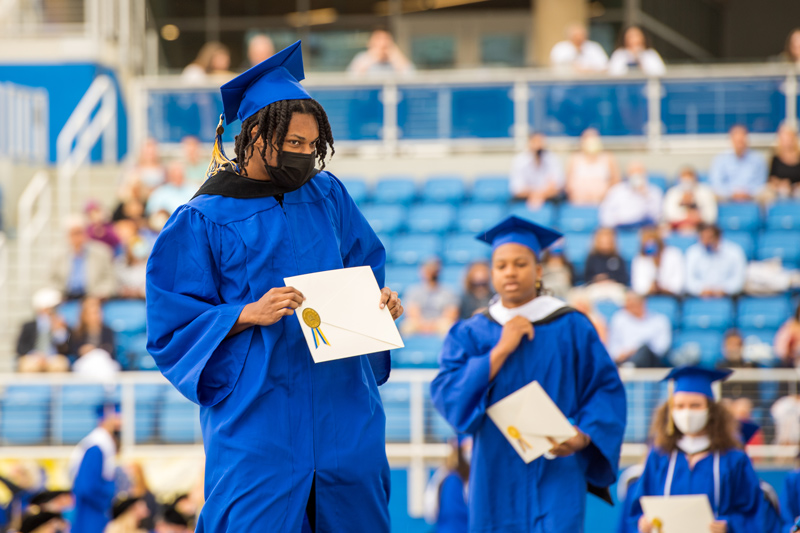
679, 514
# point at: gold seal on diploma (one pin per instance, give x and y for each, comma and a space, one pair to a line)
514, 433
311, 318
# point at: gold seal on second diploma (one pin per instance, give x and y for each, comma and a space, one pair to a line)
311, 318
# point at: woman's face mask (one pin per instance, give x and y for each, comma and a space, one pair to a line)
690, 421
294, 171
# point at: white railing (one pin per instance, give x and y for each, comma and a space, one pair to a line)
34, 211
24, 123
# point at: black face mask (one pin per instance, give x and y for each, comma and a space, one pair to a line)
295, 170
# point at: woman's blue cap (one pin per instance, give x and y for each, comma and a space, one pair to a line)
272, 80
696, 379
105, 409
520, 231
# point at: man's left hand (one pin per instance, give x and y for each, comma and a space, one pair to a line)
573, 445
390, 299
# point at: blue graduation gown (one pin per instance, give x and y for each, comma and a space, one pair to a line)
790, 500
567, 358
272, 420
93, 494
453, 512
740, 494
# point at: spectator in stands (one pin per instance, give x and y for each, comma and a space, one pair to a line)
714, 267
739, 174
604, 264
139, 489
635, 54
382, 56
733, 352
39, 521
127, 514
787, 340
580, 301
194, 164
786, 414
42, 345
577, 53
131, 265
91, 332
557, 272
171, 521
213, 59
477, 290
791, 52
100, 227
658, 269
85, 267
431, 308
260, 48
149, 170
632, 203
173, 194
591, 171
638, 337
536, 174
784, 170
54, 501
689, 203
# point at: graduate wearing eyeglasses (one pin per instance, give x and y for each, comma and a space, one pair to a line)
527, 336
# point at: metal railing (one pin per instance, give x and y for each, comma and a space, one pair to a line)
34, 212
24, 123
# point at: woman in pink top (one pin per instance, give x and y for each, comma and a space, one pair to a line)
787, 340
591, 171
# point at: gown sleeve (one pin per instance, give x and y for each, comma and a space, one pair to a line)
361, 247
89, 484
602, 409
187, 322
790, 502
460, 389
743, 514
644, 486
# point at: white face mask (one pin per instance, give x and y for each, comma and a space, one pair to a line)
693, 445
637, 180
686, 184
690, 421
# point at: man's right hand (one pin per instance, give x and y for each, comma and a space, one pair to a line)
274, 305
513, 332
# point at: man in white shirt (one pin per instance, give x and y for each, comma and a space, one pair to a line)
689, 203
714, 267
638, 337
578, 53
536, 174
632, 203
739, 174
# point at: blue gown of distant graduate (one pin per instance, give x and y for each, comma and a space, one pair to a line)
453, 512
790, 500
273, 421
567, 358
93, 485
740, 495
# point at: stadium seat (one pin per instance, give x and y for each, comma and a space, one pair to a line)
782, 244
75, 413
606, 308
385, 219
437, 219
659, 180
705, 346
713, 314
356, 188
628, 244
784, 216
421, 351
125, 315
545, 215
453, 277
745, 216
476, 218
667, 306
396, 399
399, 278
443, 190
71, 312
465, 249
743, 239
25, 414
577, 219
765, 336
764, 312
490, 190
437, 429
132, 350
148, 403
577, 247
179, 419
395, 190
413, 249
681, 242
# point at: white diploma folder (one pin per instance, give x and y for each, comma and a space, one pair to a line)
527, 417
341, 315
679, 514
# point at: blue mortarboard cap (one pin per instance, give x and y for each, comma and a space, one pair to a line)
696, 379
102, 409
520, 231
272, 80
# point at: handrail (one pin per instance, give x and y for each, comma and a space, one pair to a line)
32, 223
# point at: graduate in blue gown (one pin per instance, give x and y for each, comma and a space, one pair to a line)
447, 491
790, 500
523, 337
285, 439
697, 451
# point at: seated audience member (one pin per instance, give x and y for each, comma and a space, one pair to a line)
139, 489
633, 202
787, 340
580, 301
100, 227
126, 515
171, 521
382, 56
635, 54
791, 52
54, 501
604, 264
714, 267
39, 521
194, 163
536, 174
658, 269
91, 332
742, 410
84, 268
786, 415
131, 265
259, 48
431, 308
739, 174
43, 342
173, 194
147, 173
784, 170
213, 59
591, 171
477, 290
638, 337
557, 272
733, 352
689, 203
577, 53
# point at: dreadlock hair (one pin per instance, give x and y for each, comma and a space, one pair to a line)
272, 123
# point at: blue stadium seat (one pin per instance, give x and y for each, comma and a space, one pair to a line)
413, 249
577, 247
356, 188
606, 308
465, 249
71, 311
437, 219
443, 190
490, 190
25, 414
782, 244
577, 219
132, 350
659, 180
667, 306
764, 312
396, 404
395, 190
476, 218
421, 351
148, 403
126, 315
399, 278
743, 239
766, 336
179, 419
75, 414
745, 216
437, 429
681, 242
784, 216
385, 219
628, 244
707, 344
545, 215
453, 277
713, 314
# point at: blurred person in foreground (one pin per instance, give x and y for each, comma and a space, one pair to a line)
696, 450
689, 203
577, 53
382, 56
633, 202
213, 60
477, 289
525, 336
634, 54
790, 499
259, 49
43, 343
787, 340
447, 492
44, 522
784, 169
431, 307
127, 514
739, 174
536, 174
715, 267
85, 266
172, 194
638, 337
591, 171
657, 268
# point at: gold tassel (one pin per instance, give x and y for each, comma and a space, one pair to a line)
670, 422
218, 158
